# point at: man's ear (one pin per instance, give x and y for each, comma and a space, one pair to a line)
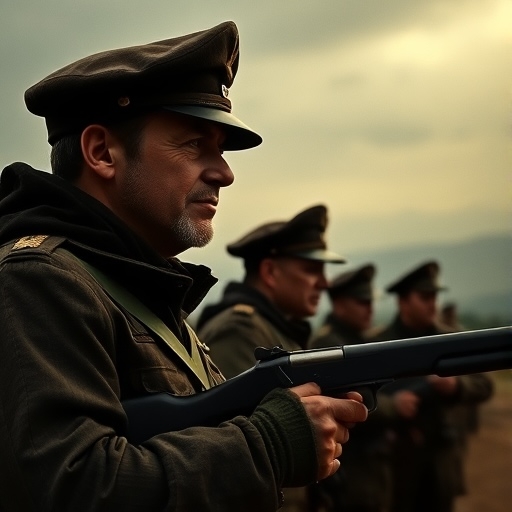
100, 150
267, 271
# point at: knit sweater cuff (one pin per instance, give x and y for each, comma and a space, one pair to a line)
288, 436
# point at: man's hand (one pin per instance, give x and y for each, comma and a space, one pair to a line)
331, 418
443, 385
406, 403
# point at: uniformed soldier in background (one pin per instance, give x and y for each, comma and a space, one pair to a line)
351, 297
363, 482
449, 316
283, 283
430, 445
469, 415
284, 279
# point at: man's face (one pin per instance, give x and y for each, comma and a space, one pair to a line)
169, 194
354, 312
298, 286
418, 310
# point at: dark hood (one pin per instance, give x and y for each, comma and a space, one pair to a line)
38, 203
239, 293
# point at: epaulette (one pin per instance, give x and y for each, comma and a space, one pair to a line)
38, 243
244, 309
29, 241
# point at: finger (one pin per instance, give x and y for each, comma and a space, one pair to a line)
349, 411
351, 395
338, 450
335, 466
328, 469
308, 389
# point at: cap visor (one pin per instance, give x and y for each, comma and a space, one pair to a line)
320, 255
430, 289
239, 135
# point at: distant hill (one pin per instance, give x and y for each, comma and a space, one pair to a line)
478, 273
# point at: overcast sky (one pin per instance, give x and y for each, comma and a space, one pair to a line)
396, 114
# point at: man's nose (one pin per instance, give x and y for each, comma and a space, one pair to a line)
219, 173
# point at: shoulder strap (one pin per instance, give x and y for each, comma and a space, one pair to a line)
150, 320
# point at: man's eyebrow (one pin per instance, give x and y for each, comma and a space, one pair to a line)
210, 128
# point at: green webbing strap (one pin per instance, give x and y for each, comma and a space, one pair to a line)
150, 320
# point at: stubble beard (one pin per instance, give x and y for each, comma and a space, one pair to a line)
191, 234
185, 232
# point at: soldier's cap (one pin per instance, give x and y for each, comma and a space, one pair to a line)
424, 278
300, 237
356, 283
190, 75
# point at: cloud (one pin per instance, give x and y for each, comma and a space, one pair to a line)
386, 111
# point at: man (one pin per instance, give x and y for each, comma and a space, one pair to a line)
284, 278
137, 138
363, 482
449, 316
351, 296
416, 293
430, 444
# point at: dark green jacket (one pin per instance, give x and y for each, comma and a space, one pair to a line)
335, 332
243, 320
430, 449
69, 354
362, 484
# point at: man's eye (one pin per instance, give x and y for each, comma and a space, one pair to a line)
194, 143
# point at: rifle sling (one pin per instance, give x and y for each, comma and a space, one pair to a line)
134, 306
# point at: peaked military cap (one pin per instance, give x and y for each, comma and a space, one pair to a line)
300, 237
190, 75
357, 283
424, 278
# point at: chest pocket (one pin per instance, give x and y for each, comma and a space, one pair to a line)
196, 361
146, 365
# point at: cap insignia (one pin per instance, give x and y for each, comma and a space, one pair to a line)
124, 101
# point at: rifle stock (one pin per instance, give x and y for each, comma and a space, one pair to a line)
335, 369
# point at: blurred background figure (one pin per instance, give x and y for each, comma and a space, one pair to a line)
363, 482
469, 415
351, 297
431, 439
284, 279
449, 316
416, 293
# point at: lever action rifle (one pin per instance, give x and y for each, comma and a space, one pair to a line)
336, 370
